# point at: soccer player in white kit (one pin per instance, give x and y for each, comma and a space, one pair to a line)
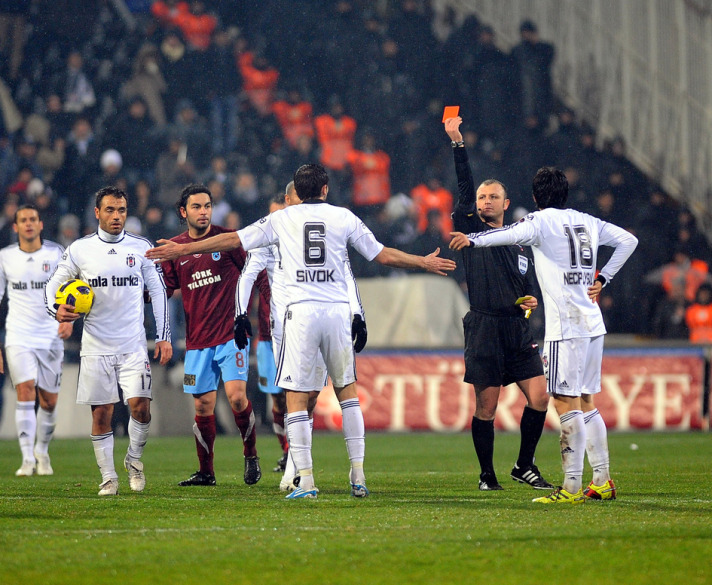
565, 245
313, 239
34, 341
114, 351
268, 258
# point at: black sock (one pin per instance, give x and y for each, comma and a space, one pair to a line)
483, 438
531, 427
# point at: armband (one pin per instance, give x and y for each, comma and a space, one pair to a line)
602, 279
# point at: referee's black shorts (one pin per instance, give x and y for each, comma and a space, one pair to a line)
499, 350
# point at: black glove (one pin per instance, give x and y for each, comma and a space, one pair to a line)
243, 330
359, 334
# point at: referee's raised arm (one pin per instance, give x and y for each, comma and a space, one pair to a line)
465, 181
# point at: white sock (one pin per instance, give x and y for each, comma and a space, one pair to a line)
300, 442
104, 453
138, 435
355, 436
290, 469
597, 447
26, 423
573, 449
46, 423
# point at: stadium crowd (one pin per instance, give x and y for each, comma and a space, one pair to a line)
151, 96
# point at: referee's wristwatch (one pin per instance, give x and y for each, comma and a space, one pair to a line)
602, 279
457, 144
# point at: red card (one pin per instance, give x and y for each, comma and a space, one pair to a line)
450, 112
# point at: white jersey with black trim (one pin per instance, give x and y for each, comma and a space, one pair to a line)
25, 275
565, 245
260, 259
313, 239
267, 258
117, 270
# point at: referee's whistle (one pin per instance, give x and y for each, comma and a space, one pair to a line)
527, 313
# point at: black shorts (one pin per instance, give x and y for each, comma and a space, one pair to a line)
499, 350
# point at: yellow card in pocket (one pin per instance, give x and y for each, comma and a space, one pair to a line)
520, 300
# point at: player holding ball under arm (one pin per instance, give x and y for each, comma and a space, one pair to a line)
113, 351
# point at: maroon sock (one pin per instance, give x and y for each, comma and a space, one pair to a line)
280, 431
245, 421
205, 430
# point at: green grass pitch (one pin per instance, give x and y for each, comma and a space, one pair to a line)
425, 522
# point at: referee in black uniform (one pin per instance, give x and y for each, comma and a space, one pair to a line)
499, 347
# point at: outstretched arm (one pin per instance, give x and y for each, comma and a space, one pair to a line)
432, 262
169, 250
523, 233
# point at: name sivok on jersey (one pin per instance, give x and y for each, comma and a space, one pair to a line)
315, 275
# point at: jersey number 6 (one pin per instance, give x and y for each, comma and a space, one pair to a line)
314, 244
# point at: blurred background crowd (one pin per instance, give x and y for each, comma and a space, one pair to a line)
237, 94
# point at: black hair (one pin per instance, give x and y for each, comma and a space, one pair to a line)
192, 189
550, 188
26, 206
309, 180
110, 192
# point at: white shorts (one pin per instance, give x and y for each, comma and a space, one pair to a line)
101, 375
573, 366
320, 366
314, 335
44, 366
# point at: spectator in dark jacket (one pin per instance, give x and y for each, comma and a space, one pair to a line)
534, 59
135, 136
224, 82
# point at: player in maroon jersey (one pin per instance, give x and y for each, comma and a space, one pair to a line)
207, 283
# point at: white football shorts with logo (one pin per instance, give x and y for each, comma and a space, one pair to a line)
320, 376
573, 366
313, 330
44, 366
101, 375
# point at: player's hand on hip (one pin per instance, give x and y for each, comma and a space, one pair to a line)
66, 314
164, 349
166, 250
594, 290
459, 241
359, 333
433, 263
242, 331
